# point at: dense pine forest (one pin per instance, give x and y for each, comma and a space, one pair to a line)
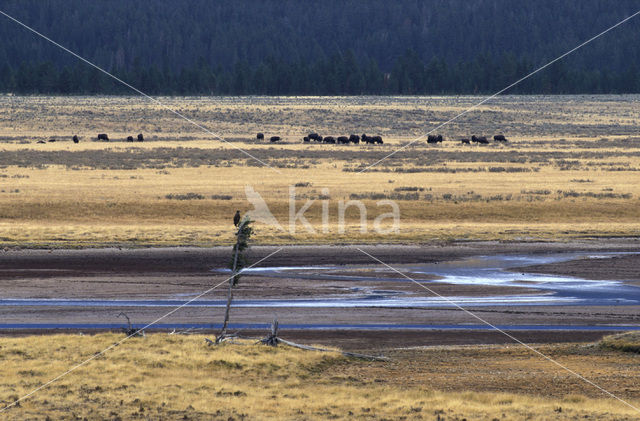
329, 47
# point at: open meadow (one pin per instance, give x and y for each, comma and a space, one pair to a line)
167, 377
569, 170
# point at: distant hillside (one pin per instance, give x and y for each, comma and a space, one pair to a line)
329, 47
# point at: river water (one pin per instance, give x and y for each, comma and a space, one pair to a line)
492, 270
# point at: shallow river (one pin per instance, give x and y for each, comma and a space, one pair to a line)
486, 270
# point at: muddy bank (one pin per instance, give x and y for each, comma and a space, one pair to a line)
383, 341
617, 268
46, 263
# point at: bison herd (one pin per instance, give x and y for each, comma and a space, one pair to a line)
101, 136
480, 140
343, 140
105, 137
377, 140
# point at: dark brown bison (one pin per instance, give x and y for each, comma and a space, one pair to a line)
275, 138
129, 138
354, 138
75, 138
372, 139
465, 141
103, 136
329, 139
305, 139
499, 138
260, 136
434, 138
140, 137
313, 136
343, 140
319, 139
481, 140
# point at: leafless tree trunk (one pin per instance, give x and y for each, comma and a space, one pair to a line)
225, 324
242, 235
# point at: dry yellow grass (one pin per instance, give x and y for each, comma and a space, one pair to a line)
561, 181
179, 377
627, 342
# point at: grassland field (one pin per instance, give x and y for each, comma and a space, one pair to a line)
570, 169
168, 377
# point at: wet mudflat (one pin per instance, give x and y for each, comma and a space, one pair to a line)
90, 287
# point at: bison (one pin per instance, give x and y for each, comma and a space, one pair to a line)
305, 139
275, 138
41, 141
75, 138
129, 138
52, 140
329, 139
313, 136
465, 141
260, 136
354, 138
319, 139
482, 140
343, 140
499, 138
103, 136
372, 139
140, 137
434, 138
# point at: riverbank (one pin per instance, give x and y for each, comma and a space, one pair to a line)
180, 274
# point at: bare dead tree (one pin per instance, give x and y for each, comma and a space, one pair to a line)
272, 339
130, 330
238, 262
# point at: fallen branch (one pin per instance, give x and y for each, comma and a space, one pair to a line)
226, 338
346, 354
274, 340
189, 331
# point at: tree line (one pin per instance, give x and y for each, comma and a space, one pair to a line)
337, 75
306, 47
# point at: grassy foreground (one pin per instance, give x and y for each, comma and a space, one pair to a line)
179, 377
